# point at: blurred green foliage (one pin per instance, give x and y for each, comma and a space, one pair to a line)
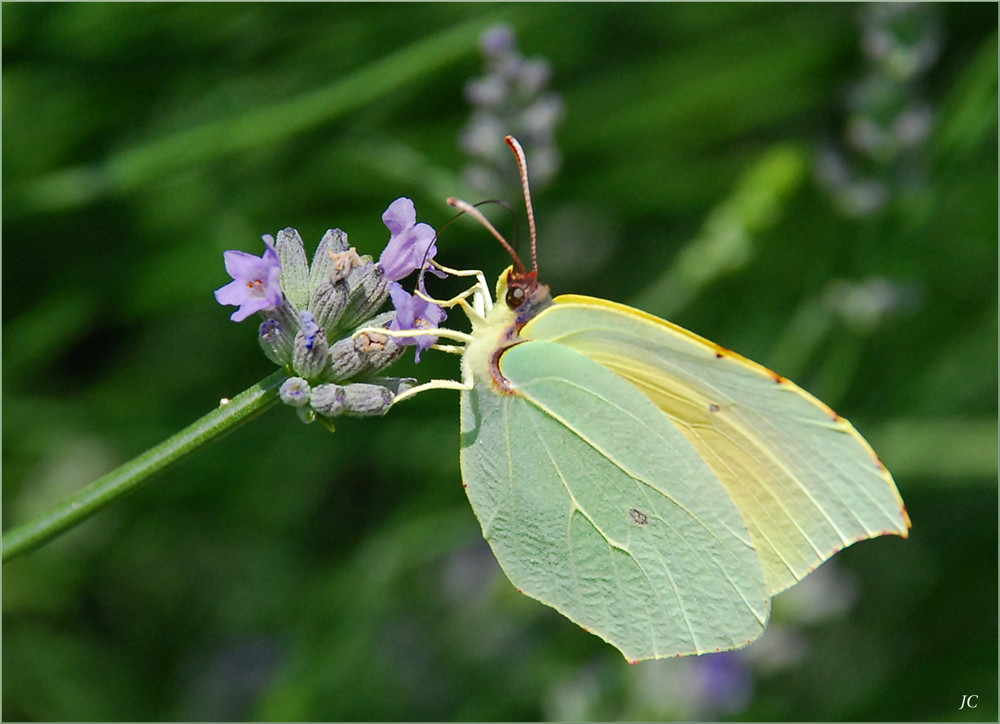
287, 573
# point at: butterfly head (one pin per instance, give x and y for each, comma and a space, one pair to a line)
522, 294
518, 287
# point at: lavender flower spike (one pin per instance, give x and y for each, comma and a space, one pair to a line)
411, 245
256, 284
412, 312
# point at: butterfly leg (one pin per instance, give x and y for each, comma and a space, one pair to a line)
484, 297
463, 386
420, 332
471, 311
449, 348
432, 385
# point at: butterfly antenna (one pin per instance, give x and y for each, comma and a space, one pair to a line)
476, 214
522, 166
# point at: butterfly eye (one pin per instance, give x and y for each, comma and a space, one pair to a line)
515, 297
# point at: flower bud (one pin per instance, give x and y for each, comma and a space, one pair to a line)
287, 315
346, 265
382, 321
395, 385
366, 400
379, 350
295, 392
294, 266
309, 353
275, 341
328, 399
333, 242
367, 294
329, 302
346, 361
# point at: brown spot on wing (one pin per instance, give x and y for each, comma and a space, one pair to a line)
638, 517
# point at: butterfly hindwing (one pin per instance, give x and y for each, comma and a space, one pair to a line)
595, 504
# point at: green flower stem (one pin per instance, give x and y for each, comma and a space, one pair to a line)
103, 491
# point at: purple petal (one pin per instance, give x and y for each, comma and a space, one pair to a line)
396, 258
423, 248
402, 300
240, 265
256, 284
410, 246
400, 215
412, 312
232, 293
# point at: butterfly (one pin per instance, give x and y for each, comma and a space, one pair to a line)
650, 485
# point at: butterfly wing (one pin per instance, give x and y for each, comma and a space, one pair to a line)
806, 483
596, 505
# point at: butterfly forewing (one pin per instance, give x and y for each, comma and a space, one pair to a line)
805, 482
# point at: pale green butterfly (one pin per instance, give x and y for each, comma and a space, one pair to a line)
652, 486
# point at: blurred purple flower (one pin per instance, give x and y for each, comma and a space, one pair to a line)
511, 97
412, 312
498, 40
411, 245
256, 284
724, 683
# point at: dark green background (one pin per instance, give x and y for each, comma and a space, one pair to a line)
287, 573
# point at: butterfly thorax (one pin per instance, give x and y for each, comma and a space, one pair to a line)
520, 298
